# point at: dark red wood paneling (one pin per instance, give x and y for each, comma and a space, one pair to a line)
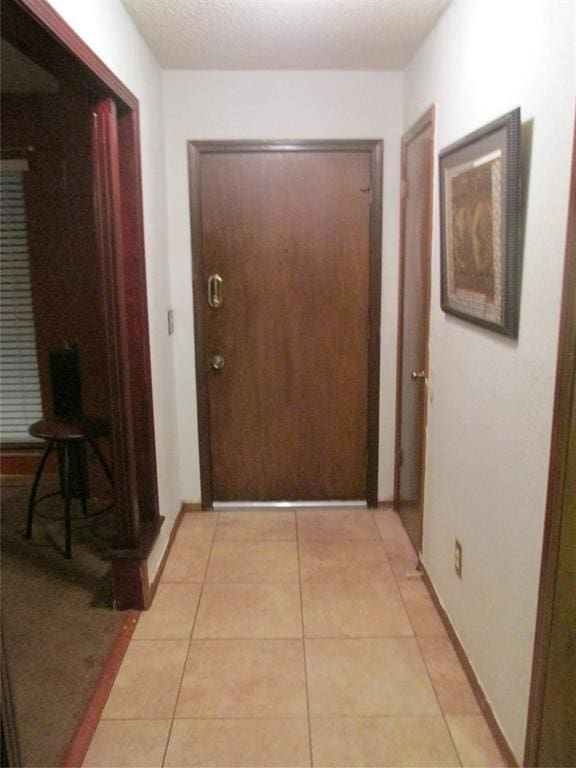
107, 205
136, 319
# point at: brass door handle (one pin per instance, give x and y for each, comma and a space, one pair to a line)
417, 375
215, 295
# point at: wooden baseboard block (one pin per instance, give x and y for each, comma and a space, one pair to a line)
82, 737
386, 504
470, 674
130, 580
193, 506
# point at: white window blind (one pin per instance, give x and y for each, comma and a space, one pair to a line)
20, 398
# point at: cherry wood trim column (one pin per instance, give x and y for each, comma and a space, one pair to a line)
136, 317
557, 477
108, 213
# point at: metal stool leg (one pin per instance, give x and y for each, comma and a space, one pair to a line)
34, 490
102, 461
82, 466
67, 502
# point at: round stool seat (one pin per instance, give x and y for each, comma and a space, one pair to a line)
68, 436
62, 429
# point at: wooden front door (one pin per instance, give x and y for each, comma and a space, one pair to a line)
282, 244
414, 309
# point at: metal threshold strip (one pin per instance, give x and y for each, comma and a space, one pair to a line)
222, 505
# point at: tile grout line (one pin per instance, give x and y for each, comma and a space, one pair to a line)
173, 718
456, 750
283, 639
396, 579
380, 716
311, 754
444, 717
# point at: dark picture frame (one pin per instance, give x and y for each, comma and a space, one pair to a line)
479, 226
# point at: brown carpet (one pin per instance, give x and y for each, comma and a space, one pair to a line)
58, 622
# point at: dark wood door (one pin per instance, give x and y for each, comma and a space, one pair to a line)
288, 233
414, 306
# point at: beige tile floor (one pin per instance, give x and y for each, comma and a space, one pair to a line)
291, 638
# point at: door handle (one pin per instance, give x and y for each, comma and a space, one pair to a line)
215, 296
417, 375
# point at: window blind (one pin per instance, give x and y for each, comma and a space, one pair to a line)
20, 397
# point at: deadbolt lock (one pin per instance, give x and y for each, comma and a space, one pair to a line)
217, 362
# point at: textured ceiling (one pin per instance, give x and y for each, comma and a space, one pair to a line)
21, 75
284, 34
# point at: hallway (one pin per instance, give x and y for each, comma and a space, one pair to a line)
291, 638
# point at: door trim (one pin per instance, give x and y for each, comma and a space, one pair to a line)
428, 119
375, 147
557, 478
45, 15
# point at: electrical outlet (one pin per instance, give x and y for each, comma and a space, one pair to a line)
458, 558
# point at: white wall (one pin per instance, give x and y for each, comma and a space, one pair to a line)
277, 105
491, 398
106, 27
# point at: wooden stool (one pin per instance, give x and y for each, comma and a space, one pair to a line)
70, 435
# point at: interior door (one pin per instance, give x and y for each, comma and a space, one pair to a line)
284, 278
414, 308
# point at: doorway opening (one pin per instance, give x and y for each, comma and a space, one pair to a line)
88, 140
413, 323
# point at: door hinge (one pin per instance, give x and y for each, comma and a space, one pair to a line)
369, 191
403, 189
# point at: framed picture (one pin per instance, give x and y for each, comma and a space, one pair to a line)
479, 225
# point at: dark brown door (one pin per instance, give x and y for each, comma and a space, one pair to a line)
414, 305
285, 243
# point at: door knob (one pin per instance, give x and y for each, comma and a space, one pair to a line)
418, 375
217, 362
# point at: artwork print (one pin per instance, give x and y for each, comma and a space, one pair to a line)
478, 199
474, 237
